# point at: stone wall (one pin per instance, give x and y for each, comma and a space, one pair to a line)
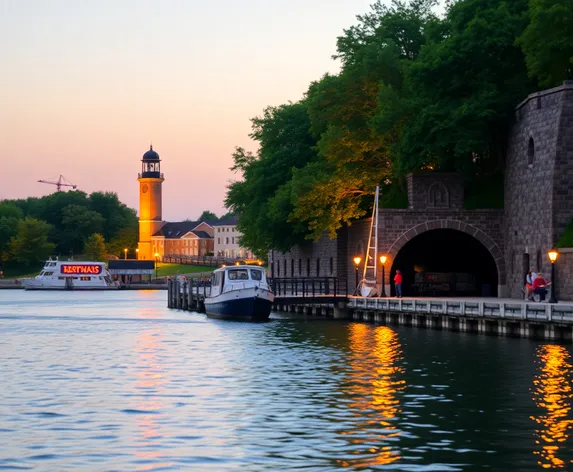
397, 227
538, 181
538, 206
564, 275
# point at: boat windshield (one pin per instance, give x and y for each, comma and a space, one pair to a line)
256, 274
238, 274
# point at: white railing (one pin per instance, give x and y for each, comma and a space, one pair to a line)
559, 313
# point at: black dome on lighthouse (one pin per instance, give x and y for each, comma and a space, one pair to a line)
151, 155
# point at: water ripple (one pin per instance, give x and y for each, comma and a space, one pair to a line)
115, 381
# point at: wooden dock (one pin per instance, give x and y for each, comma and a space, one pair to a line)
324, 296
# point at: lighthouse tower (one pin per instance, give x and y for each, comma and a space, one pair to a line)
150, 220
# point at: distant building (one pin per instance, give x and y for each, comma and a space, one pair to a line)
184, 238
226, 239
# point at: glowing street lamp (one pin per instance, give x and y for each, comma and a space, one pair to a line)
357, 260
553, 254
156, 256
137, 253
383, 260
125, 253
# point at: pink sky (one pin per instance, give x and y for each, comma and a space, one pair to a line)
85, 86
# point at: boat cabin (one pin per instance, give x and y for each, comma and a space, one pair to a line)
231, 278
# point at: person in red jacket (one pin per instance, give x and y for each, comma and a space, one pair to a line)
540, 286
398, 283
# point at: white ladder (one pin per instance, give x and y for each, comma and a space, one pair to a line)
371, 259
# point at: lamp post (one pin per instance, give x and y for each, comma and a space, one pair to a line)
383, 260
125, 253
137, 253
156, 256
553, 257
357, 260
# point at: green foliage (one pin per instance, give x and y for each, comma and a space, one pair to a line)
127, 237
566, 239
10, 210
415, 93
95, 249
73, 216
548, 41
30, 245
208, 216
265, 208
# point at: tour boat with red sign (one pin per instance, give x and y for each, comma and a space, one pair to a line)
71, 275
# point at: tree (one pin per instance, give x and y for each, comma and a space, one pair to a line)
30, 245
78, 223
263, 206
8, 229
208, 216
548, 41
127, 237
10, 214
94, 248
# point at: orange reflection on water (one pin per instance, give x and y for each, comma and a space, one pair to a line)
374, 384
552, 394
150, 381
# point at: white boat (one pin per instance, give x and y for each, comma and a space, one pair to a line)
71, 275
239, 292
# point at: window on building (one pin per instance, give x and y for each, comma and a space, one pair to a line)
300, 267
278, 268
285, 268
292, 267
331, 266
538, 268
318, 267
227, 240
308, 267
233, 239
530, 151
218, 240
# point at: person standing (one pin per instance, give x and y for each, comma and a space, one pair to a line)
398, 284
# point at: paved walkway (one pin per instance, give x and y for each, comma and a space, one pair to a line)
470, 299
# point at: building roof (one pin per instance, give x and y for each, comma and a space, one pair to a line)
179, 229
202, 234
123, 264
151, 155
231, 221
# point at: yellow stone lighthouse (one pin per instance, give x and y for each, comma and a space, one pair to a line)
150, 220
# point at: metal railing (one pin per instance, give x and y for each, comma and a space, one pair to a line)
309, 287
210, 261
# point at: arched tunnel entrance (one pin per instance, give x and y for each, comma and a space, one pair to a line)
446, 262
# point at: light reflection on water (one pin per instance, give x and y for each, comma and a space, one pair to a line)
115, 381
374, 382
553, 395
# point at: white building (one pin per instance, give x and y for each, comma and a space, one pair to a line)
226, 238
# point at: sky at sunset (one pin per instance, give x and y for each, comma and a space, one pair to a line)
86, 85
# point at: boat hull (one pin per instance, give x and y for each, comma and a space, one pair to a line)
244, 308
32, 284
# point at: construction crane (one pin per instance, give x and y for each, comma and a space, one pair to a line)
61, 182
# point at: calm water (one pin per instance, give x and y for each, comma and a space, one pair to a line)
115, 381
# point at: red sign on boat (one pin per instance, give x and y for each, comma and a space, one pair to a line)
81, 269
